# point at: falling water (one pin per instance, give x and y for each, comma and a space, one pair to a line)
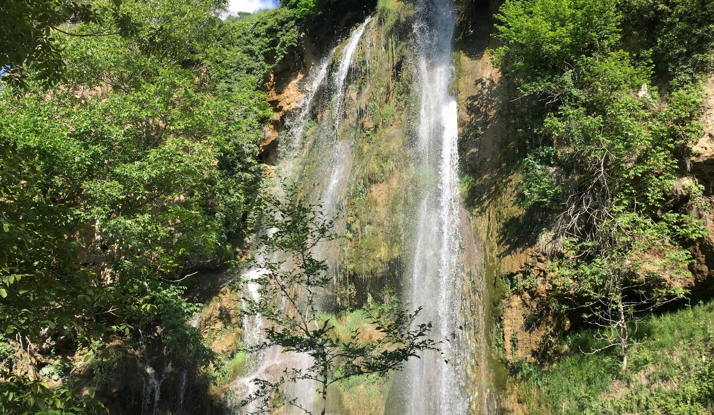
152, 392
297, 125
273, 360
336, 164
434, 386
344, 68
183, 381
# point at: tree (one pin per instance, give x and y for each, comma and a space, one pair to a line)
679, 34
637, 273
604, 156
137, 170
289, 290
29, 29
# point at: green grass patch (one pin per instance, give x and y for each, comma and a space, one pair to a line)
362, 395
672, 371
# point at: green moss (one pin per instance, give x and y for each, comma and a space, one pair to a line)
361, 396
230, 367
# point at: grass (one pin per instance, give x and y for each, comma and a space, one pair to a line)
672, 371
345, 323
229, 368
361, 396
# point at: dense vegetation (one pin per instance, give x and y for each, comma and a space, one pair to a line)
129, 136
671, 373
135, 170
607, 106
316, 15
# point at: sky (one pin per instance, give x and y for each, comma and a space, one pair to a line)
250, 5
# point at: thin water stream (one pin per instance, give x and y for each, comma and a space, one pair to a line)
296, 130
271, 362
343, 70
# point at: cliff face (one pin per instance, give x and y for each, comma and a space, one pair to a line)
520, 325
357, 164
490, 196
702, 168
347, 151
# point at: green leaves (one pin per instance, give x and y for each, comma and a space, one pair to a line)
138, 169
541, 37
289, 301
604, 149
677, 34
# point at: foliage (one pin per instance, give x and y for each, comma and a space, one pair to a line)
539, 187
136, 171
288, 301
34, 48
18, 395
29, 28
603, 154
679, 34
315, 15
249, 46
305, 9
671, 371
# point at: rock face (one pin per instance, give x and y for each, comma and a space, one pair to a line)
702, 167
702, 163
285, 91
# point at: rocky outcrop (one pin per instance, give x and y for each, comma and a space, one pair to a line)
702, 162
286, 89
701, 165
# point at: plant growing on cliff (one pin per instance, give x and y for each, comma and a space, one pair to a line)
289, 291
615, 149
640, 270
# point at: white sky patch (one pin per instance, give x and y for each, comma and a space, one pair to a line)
250, 6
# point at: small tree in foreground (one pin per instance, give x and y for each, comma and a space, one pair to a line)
632, 267
289, 291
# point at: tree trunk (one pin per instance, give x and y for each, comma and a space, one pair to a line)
325, 372
623, 334
324, 398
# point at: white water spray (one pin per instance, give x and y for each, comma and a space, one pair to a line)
297, 126
152, 392
436, 387
344, 68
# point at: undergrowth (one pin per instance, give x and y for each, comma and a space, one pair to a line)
672, 371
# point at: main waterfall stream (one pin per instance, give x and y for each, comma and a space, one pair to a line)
435, 387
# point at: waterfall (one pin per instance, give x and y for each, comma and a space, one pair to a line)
270, 362
152, 392
434, 386
337, 164
297, 125
344, 68
183, 381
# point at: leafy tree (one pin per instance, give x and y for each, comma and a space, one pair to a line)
289, 292
137, 170
678, 33
304, 9
29, 29
604, 151
315, 15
